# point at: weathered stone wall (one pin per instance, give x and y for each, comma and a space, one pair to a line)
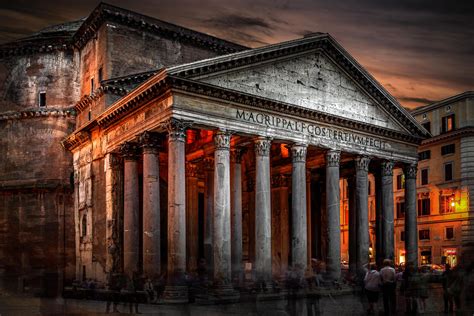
22, 78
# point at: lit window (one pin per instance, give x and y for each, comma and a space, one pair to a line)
447, 204
447, 123
42, 99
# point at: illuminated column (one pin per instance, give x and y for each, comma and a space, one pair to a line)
411, 238
263, 238
176, 290
151, 205
130, 209
387, 210
299, 248
221, 219
236, 203
192, 224
362, 207
333, 258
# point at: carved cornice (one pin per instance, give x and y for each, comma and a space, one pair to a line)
410, 171
262, 147
362, 163
129, 151
150, 142
176, 129
75, 140
222, 140
33, 113
298, 152
35, 46
386, 168
333, 158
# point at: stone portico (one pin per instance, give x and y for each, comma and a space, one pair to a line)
236, 161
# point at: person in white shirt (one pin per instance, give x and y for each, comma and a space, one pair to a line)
372, 283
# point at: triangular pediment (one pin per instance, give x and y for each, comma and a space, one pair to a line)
311, 81
314, 73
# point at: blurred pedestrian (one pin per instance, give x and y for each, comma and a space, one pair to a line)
114, 287
410, 286
372, 285
423, 290
389, 285
447, 279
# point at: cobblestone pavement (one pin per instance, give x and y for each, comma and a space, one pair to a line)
338, 305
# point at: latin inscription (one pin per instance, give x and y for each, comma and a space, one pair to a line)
314, 130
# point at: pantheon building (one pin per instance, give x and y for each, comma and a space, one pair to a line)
188, 151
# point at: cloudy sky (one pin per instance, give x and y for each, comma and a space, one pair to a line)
420, 50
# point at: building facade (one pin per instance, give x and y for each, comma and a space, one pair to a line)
444, 184
187, 149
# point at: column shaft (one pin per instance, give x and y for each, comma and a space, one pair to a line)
411, 238
131, 209
352, 226
263, 254
333, 258
362, 200
387, 210
236, 203
192, 224
151, 206
208, 212
299, 242
221, 219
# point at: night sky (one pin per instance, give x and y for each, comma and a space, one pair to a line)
420, 50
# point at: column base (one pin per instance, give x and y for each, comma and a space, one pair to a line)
175, 294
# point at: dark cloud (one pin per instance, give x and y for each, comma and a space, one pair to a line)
421, 50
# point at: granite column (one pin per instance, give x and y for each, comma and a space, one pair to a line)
333, 258
362, 200
411, 238
387, 210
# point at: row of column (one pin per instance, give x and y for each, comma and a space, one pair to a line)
224, 219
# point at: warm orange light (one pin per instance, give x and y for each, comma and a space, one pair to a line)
453, 204
284, 151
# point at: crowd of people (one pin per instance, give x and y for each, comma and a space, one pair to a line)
413, 285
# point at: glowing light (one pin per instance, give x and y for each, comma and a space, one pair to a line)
453, 204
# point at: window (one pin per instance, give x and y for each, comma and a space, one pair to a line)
424, 207
446, 204
449, 233
424, 155
427, 126
448, 171
447, 123
92, 86
424, 234
402, 235
447, 149
400, 182
425, 256
100, 75
400, 209
424, 176
42, 99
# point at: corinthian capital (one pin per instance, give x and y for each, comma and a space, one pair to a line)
362, 163
333, 158
149, 141
387, 168
222, 140
176, 129
298, 152
262, 146
236, 155
129, 150
410, 170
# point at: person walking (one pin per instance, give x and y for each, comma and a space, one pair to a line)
372, 284
389, 285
